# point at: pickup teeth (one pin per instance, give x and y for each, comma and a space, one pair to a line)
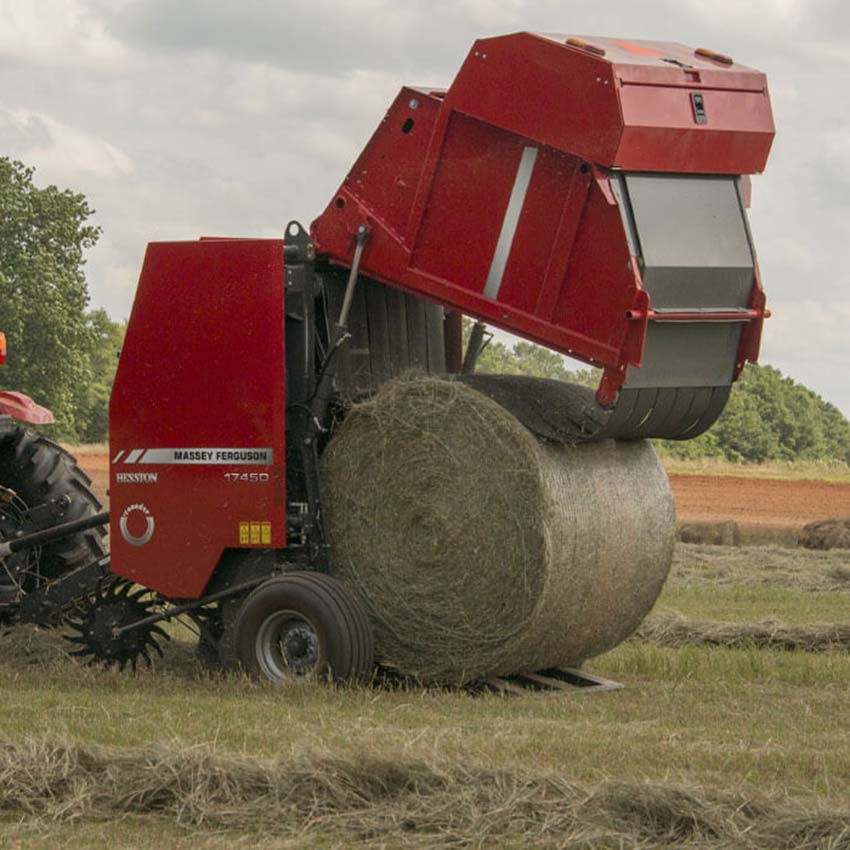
116, 605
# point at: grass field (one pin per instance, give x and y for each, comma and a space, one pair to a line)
798, 470
705, 747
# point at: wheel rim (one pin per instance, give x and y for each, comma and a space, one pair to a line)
287, 645
18, 568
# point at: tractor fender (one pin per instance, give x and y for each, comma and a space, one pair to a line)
24, 409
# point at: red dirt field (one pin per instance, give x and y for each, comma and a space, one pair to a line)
758, 501
97, 467
749, 501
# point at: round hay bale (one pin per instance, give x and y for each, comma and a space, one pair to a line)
826, 534
479, 550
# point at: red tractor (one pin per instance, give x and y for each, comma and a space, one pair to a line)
587, 194
40, 486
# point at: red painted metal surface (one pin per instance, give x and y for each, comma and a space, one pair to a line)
22, 407
201, 369
436, 178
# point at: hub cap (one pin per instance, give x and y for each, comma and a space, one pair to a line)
287, 645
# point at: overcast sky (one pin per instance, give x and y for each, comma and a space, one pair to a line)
186, 117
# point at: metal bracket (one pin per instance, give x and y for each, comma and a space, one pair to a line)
43, 606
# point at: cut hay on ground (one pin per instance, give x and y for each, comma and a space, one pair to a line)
372, 801
761, 566
480, 550
674, 631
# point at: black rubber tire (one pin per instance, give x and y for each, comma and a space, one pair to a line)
345, 650
39, 470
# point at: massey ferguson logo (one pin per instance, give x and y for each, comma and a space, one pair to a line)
137, 525
136, 477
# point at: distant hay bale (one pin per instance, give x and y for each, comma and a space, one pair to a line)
479, 550
826, 534
722, 533
674, 631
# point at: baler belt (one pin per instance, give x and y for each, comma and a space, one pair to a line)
569, 413
672, 413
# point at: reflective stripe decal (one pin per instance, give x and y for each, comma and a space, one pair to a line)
118, 456
509, 224
203, 455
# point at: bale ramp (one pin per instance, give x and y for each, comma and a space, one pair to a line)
480, 550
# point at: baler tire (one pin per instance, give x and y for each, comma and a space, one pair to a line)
39, 470
303, 624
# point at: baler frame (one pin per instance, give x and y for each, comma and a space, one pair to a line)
604, 219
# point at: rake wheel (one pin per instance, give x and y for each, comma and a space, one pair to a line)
110, 608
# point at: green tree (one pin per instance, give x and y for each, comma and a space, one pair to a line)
526, 358
44, 297
93, 401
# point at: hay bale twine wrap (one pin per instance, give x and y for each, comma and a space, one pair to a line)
479, 550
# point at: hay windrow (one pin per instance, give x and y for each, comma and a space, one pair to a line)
395, 802
479, 550
674, 631
761, 566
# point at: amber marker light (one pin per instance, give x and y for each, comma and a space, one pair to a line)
716, 57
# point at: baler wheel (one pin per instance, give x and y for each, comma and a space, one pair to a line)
303, 624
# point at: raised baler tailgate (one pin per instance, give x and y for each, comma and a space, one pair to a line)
197, 413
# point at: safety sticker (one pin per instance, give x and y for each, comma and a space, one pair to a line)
255, 534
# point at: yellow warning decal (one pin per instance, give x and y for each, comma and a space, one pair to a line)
255, 533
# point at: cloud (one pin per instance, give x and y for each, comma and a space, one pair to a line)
326, 35
56, 33
60, 152
807, 338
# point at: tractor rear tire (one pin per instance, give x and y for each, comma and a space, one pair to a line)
303, 624
38, 471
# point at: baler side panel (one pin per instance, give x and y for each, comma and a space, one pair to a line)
197, 414
598, 281
387, 172
519, 83
464, 214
